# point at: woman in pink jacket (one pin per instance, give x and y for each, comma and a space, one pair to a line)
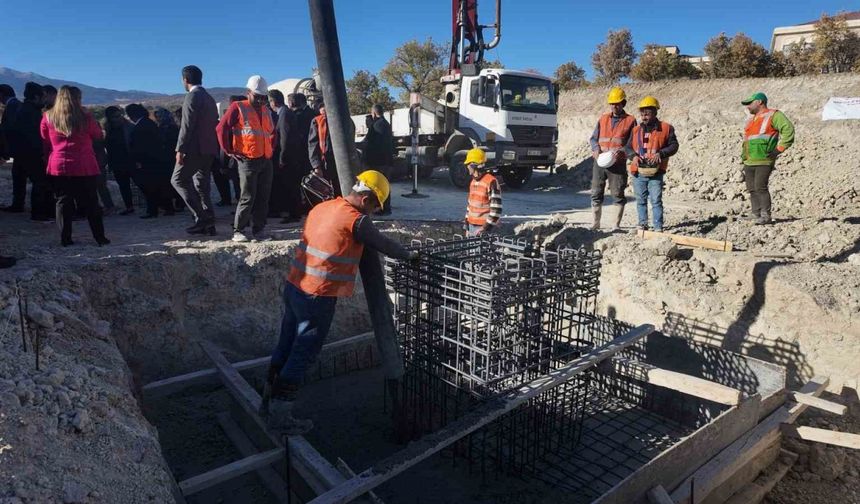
68, 132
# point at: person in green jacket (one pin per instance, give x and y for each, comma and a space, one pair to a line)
766, 136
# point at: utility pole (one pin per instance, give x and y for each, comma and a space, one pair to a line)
340, 125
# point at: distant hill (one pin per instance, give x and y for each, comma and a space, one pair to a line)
102, 96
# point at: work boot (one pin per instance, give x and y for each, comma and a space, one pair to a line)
281, 419
618, 215
596, 212
763, 220
266, 397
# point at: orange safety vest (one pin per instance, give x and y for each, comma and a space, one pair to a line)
251, 138
657, 139
760, 127
322, 132
479, 199
326, 260
612, 139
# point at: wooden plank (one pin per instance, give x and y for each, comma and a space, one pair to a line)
681, 459
659, 495
232, 470
835, 438
680, 382
433, 443
317, 472
175, 384
819, 403
720, 468
745, 476
349, 473
268, 476
758, 489
690, 241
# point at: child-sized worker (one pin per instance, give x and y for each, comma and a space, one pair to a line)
484, 207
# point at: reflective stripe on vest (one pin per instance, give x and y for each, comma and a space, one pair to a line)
610, 138
657, 139
479, 199
760, 127
252, 137
326, 260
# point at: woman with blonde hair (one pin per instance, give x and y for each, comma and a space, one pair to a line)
68, 132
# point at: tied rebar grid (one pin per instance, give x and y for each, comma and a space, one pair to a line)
481, 316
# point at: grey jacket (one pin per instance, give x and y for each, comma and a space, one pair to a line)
199, 119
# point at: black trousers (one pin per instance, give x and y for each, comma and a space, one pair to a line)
41, 197
616, 175
224, 176
123, 180
19, 182
84, 190
156, 188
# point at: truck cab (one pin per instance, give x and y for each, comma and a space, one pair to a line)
512, 115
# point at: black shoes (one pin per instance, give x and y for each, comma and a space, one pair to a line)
102, 241
13, 209
202, 229
7, 262
148, 216
66, 242
127, 211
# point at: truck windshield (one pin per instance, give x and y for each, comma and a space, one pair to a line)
526, 94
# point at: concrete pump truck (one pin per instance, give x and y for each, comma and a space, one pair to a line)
508, 113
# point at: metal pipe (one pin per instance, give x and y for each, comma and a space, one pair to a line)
337, 111
497, 26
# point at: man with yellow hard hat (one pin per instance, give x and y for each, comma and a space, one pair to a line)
652, 142
324, 267
607, 145
484, 204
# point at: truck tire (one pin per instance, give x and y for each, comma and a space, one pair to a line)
458, 172
516, 177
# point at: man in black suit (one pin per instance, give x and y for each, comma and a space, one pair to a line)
196, 150
285, 188
150, 174
379, 148
11, 142
30, 152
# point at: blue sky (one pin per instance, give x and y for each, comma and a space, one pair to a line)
142, 44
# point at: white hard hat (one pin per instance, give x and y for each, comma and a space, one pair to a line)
606, 159
257, 84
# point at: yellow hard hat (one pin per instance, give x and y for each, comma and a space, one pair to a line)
616, 95
649, 101
376, 182
476, 156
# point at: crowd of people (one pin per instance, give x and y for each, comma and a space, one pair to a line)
256, 152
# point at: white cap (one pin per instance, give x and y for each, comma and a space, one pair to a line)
606, 159
257, 84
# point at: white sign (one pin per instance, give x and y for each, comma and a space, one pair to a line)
841, 108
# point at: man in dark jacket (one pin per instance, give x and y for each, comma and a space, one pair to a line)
282, 197
150, 174
29, 152
196, 150
379, 148
8, 129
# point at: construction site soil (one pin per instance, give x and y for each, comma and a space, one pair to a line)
109, 319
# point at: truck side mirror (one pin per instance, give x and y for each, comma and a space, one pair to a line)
482, 90
555, 93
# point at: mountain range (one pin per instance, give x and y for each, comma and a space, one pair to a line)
102, 96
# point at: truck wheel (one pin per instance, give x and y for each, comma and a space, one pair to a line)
458, 172
517, 176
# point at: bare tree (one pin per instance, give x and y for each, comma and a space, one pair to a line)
613, 59
416, 67
569, 76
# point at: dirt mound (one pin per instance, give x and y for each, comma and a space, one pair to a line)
815, 175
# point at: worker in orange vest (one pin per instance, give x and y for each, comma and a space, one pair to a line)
320, 150
323, 269
652, 142
246, 133
607, 145
484, 206
767, 135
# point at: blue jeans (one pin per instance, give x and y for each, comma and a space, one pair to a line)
305, 325
649, 189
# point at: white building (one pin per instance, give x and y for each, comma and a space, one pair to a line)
785, 36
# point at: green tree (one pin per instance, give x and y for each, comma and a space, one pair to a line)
657, 63
569, 76
416, 67
738, 56
363, 90
798, 58
613, 59
495, 63
837, 49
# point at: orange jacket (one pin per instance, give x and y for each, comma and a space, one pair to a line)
657, 139
484, 204
322, 131
252, 137
610, 138
326, 260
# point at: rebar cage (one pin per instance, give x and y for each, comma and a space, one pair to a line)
478, 317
